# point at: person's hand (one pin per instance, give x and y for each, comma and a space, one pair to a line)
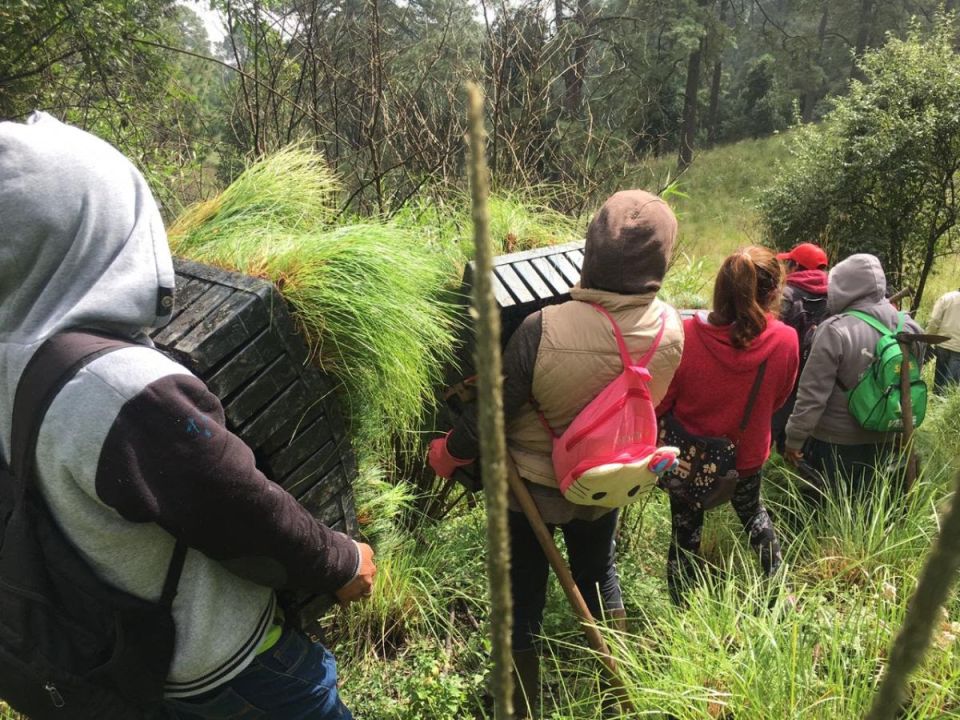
443, 463
361, 587
793, 456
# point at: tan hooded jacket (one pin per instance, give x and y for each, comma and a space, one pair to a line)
563, 356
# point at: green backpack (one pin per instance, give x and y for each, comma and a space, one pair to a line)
875, 400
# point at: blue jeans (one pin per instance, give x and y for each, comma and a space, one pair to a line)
590, 546
296, 679
947, 370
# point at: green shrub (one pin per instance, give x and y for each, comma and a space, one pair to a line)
878, 174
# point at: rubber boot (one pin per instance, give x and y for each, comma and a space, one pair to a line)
526, 684
618, 619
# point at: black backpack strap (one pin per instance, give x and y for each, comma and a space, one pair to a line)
52, 366
174, 570
752, 399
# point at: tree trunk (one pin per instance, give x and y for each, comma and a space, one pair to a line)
810, 97
863, 35
713, 114
375, 130
688, 127
713, 121
573, 75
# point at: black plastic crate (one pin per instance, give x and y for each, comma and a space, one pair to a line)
525, 282
236, 334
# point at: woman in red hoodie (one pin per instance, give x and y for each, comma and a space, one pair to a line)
722, 356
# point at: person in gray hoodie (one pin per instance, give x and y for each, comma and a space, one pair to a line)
133, 453
821, 431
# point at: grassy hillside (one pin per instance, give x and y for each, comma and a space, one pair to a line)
738, 652
718, 193
716, 208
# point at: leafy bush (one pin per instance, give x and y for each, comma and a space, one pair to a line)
684, 286
878, 175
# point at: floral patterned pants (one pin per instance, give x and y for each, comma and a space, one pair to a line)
682, 559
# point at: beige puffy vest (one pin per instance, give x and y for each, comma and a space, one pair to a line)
578, 357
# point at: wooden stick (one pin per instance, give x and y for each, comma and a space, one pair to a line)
493, 447
906, 410
569, 585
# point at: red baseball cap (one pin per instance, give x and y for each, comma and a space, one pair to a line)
806, 255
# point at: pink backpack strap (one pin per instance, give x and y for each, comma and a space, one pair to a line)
622, 345
624, 356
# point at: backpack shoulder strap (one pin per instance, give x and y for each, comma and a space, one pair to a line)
622, 345
52, 366
871, 321
752, 399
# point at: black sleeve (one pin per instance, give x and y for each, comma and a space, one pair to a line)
169, 459
519, 359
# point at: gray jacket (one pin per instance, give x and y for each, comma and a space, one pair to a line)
842, 349
134, 453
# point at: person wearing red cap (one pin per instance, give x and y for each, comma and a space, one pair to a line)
803, 306
806, 258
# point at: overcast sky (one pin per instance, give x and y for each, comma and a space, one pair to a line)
211, 19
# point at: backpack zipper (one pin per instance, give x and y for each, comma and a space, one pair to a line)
55, 697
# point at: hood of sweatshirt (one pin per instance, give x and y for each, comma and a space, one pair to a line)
629, 243
716, 339
82, 244
856, 283
813, 281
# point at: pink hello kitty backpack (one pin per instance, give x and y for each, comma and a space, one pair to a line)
608, 455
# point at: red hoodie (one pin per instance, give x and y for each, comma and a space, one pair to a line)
814, 281
709, 392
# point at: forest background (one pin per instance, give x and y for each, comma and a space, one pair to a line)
578, 91
764, 121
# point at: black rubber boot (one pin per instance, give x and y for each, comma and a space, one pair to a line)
526, 684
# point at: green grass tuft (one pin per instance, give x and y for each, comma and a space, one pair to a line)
367, 296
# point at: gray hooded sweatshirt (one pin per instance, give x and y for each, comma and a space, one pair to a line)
134, 451
842, 349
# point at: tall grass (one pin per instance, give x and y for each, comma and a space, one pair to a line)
368, 296
740, 649
519, 220
716, 210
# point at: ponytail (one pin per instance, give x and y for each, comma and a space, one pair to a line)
746, 289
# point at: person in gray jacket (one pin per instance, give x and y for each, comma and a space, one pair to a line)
821, 431
134, 454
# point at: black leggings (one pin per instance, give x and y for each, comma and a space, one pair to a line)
688, 526
591, 549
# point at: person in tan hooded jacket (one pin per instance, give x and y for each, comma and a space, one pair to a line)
556, 362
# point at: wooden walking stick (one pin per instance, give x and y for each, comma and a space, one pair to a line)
906, 400
569, 585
